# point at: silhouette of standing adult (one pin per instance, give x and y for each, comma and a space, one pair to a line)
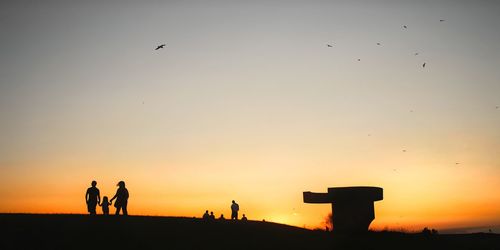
234, 210
121, 197
92, 198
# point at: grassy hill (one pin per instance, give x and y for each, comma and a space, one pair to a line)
31, 231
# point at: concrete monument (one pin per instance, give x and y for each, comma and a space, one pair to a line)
352, 207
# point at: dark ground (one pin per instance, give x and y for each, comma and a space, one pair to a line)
30, 231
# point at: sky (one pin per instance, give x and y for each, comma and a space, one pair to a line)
247, 102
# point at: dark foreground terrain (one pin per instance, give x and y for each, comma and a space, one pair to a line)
25, 231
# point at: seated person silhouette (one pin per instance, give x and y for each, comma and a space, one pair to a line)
206, 216
222, 217
212, 216
92, 198
244, 218
105, 205
121, 197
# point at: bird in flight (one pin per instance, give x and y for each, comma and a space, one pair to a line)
423, 65
416, 53
378, 43
404, 150
404, 26
441, 20
359, 60
160, 46
329, 45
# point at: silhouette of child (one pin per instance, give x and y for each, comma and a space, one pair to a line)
105, 205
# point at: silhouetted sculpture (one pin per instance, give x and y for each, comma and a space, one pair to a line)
352, 207
121, 197
105, 205
234, 210
92, 198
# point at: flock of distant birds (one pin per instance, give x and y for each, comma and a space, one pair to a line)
330, 45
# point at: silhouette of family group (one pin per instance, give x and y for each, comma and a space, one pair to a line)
93, 198
234, 213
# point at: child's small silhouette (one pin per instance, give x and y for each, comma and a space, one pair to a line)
105, 205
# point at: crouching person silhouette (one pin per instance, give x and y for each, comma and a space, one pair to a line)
121, 197
92, 198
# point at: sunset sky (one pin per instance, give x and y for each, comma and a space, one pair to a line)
247, 102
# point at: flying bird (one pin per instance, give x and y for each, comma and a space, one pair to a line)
441, 20
404, 26
378, 43
329, 45
423, 65
416, 53
404, 150
359, 60
160, 46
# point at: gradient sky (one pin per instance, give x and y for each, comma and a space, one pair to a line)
247, 102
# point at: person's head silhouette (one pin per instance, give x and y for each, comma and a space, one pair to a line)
233, 201
94, 183
121, 184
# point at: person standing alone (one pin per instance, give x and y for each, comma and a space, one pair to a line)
234, 210
92, 197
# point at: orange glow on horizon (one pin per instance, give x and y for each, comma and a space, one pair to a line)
161, 194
